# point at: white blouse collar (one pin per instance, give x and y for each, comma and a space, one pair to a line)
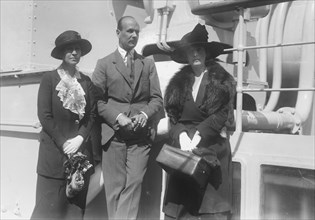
71, 93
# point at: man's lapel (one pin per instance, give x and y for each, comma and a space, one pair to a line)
121, 67
138, 66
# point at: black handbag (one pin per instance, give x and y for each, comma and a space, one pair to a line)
174, 160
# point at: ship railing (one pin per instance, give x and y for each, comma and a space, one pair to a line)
240, 60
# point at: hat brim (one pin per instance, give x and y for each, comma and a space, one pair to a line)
213, 50
84, 44
152, 49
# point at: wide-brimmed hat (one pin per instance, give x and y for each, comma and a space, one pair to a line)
197, 37
70, 37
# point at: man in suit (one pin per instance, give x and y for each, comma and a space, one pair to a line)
130, 106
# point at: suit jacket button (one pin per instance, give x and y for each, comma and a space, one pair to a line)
76, 122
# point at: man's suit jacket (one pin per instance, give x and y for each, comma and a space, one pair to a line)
120, 95
60, 124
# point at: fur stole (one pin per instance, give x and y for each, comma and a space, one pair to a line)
219, 93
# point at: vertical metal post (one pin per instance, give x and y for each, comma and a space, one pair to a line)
239, 88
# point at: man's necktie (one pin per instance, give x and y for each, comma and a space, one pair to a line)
130, 67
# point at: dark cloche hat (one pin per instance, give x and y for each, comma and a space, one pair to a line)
70, 37
197, 37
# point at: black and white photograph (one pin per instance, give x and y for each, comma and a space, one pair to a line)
157, 109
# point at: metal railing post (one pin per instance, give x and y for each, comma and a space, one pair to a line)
239, 97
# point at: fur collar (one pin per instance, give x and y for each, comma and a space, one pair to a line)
218, 79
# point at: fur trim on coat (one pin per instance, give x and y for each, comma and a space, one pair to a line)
219, 93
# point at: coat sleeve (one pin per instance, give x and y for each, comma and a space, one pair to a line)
106, 111
208, 128
155, 104
224, 116
213, 124
44, 110
90, 110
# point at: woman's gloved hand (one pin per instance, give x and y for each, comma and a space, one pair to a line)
72, 145
195, 140
184, 141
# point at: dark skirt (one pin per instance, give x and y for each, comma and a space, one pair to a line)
52, 202
215, 198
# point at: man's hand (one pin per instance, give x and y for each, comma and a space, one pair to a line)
139, 120
125, 122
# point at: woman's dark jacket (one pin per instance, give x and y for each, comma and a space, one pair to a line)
212, 110
60, 124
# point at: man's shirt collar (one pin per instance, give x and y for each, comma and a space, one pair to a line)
123, 53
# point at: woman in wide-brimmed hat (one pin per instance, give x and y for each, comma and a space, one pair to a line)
66, 110
199, 103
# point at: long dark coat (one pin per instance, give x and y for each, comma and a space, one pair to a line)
59, 125
212, 110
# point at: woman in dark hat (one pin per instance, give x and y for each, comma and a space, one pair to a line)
66, 110
199, 103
